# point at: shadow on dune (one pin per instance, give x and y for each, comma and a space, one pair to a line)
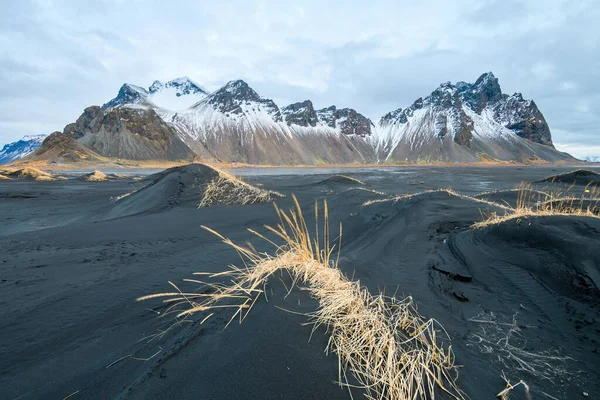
577, 177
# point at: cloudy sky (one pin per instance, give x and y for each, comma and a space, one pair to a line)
58, 57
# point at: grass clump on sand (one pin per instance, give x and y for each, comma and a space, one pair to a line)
227, 189
96, 176
531, 203
4, 178
392, 350
32, 173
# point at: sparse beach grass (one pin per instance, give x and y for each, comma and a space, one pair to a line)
96, 176
33, 174
228, 189
393, 351
532, 203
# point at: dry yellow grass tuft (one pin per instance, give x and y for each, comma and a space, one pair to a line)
531, 203
96, 176
33, 173
229, 190
392, 350
4, 178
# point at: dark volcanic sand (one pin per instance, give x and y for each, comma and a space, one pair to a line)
69, 275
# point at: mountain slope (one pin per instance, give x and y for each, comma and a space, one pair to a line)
180, 120
120, 132
21, 148
235, 124
466, 123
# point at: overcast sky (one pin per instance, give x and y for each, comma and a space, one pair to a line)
58, 57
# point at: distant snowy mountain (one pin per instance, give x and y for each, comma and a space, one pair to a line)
592, 159
21, 148
180, 120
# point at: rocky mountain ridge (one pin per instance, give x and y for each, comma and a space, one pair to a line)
460, 122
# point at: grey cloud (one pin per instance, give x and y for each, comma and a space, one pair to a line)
373, 58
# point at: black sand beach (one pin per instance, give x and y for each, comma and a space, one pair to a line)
521, 298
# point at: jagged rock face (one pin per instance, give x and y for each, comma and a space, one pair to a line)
347, 120
353, 123
127, 133
85, 121
485, 91
327, 116
401, 116
236, 97
301, 114
513, 112
450, 116
524, 118
446, 112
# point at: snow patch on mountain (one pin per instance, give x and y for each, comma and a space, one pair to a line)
174, 95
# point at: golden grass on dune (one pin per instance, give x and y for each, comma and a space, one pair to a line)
533, 203
96, 176
393, 352
32, 173
227, 189
4, 178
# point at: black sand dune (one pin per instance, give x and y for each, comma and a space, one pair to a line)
577, 177
514, 197
174, 186
545, 272
177, 186
355, 197
341, 180
69, 324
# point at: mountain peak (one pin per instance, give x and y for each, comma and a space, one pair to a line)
238, 98
486, 76
239, 88
128, 94
182, 86
485, 91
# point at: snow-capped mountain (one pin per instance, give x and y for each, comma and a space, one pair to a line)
21, 148
592, 159
179, 120
236, 124
466, 123
177, 94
